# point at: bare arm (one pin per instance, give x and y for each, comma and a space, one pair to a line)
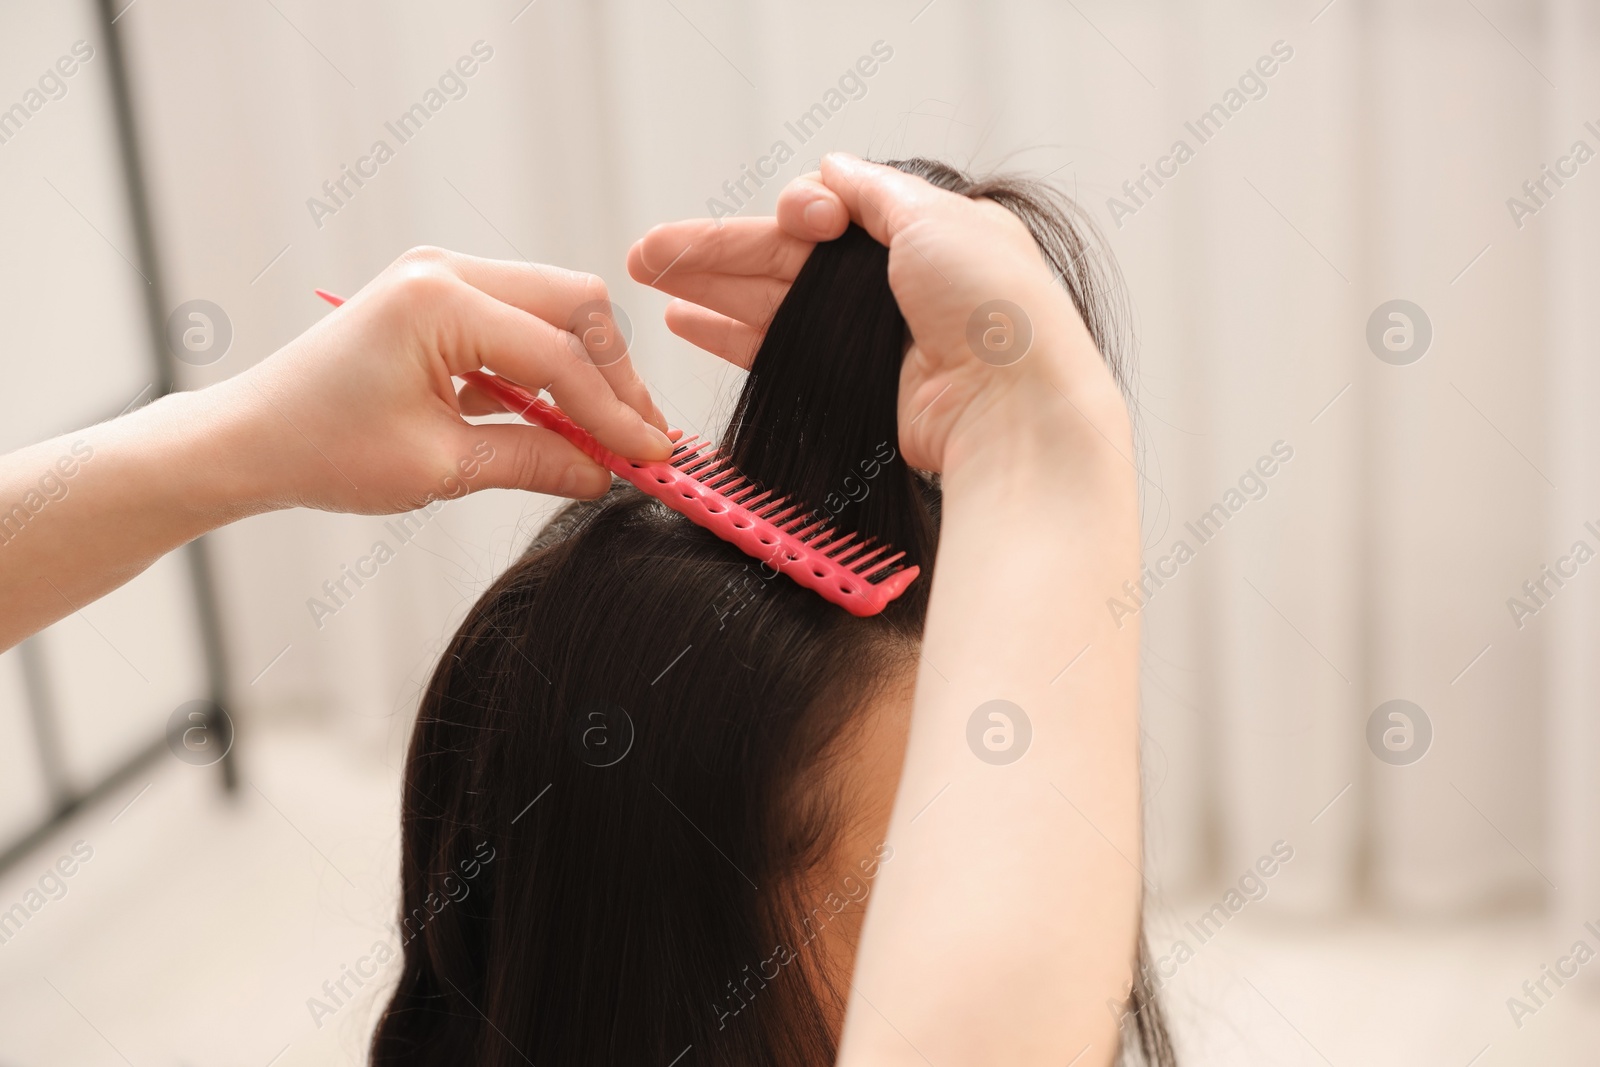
1009, 918
1007, 921
85, 512
357, 414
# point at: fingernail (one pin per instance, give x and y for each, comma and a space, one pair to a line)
819, 215
662, 442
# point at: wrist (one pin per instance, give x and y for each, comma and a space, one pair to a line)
1039, 425
223, 447
1049, 483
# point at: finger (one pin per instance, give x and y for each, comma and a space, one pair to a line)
471, 400
881, 200
571, 300
810, 211
535, 459
600, 338
481, 331
748, 299
753, 246
735, 341
554, 294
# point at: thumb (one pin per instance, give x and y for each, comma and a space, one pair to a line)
518, 456
880, 199
811, 211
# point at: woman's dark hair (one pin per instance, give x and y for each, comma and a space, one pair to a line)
614, 794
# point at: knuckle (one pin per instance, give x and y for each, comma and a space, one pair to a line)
446, 470
421, 281
592, 289
1003, 218
534, 466
425, 255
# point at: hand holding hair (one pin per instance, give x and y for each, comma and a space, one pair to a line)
357, 414
949, 254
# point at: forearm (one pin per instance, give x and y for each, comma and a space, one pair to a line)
358, 414
1008, 917
85, 512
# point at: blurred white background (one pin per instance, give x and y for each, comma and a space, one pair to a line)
1374, 164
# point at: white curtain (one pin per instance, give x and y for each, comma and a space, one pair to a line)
1373, 164
1571, 269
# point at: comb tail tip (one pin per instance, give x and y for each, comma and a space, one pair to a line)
897, 583
882, 594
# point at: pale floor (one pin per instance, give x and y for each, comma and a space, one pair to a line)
197, 931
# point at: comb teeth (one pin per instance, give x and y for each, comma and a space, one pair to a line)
701, 482
833, 547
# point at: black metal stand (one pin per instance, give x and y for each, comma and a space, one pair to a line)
65, 801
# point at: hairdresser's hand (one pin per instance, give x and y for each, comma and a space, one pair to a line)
356, 414
360, 413
949, 256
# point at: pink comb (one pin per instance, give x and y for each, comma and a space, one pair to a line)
702, 484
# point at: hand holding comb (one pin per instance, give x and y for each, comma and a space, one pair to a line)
697, 481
